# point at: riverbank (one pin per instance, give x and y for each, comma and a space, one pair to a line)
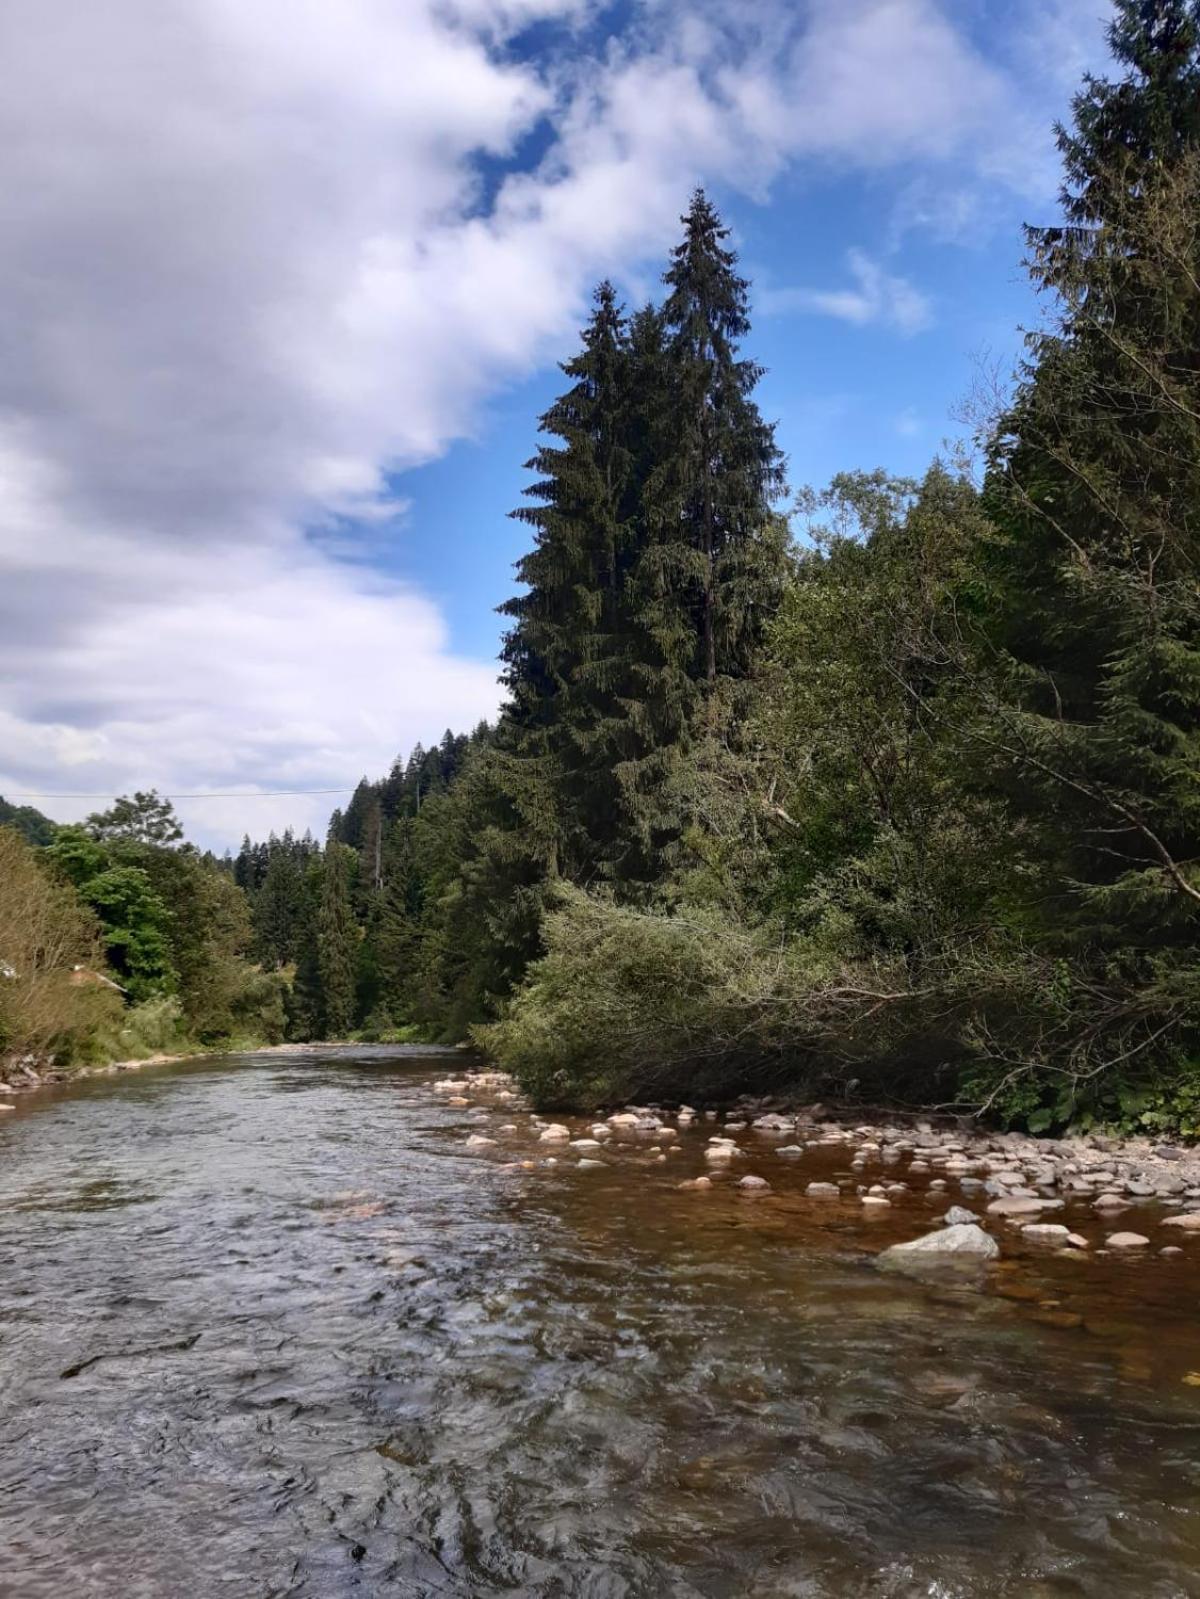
1088, 1193
22, 1077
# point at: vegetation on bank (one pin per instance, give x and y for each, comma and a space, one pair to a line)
905, 807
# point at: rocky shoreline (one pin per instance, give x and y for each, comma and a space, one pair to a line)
1137, 1194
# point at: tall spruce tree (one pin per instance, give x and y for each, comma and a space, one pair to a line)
711, 497
337, 941
563, 656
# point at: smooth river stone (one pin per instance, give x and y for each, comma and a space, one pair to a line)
1189, 1222
1126, 1241
1022, 1207
823, 1191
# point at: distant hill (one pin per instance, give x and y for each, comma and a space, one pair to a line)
32, 825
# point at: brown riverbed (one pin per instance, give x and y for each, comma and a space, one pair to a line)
270, 1327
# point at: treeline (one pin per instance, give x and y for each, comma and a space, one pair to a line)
118, 940
357, 925
908, 808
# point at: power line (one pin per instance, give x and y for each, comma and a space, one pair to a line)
268, 793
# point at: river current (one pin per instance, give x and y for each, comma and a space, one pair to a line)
268, 1327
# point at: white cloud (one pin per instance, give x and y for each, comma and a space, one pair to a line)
251, 269
873, 296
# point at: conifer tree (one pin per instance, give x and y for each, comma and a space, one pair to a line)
711, 497
337, 941
1093, 486
562, 654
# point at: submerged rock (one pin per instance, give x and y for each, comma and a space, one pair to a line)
753, 1184
1189, 1222
1127, 1241
959, 1216
1022, 1206
964, 1241
823, 1191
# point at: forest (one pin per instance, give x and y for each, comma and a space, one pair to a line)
886, 792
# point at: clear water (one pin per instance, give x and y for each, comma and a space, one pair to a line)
267, 1328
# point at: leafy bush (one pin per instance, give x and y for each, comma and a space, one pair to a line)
46, 1005
629, 1003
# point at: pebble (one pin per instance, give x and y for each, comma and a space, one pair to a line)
1046, 1232
721, 1151
751, 1184
1127, 1241
554, 1134
823, 1191
475, 1141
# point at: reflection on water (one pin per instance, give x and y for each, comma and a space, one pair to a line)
269, 1328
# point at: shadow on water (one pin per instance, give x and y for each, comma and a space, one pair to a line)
267, 1327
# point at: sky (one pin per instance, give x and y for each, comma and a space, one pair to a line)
284, 286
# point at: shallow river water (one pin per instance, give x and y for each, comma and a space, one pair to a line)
268, 1327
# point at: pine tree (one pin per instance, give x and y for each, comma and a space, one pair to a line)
571, 622
713, 493
397, 928
1093, 486
304, 1004
337, 941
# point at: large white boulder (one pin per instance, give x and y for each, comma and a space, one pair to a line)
964, 1241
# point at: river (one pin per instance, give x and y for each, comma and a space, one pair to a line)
268, 1328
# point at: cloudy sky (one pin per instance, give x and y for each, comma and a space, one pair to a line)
283, 284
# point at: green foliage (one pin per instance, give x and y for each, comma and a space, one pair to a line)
135, 920
337, 941
140, 819
29, 823
52, 998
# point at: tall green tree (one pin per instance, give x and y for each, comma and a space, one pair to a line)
565, 656
1093, 716
711, 498
337, 941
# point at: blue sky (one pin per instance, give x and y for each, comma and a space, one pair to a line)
287, 284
